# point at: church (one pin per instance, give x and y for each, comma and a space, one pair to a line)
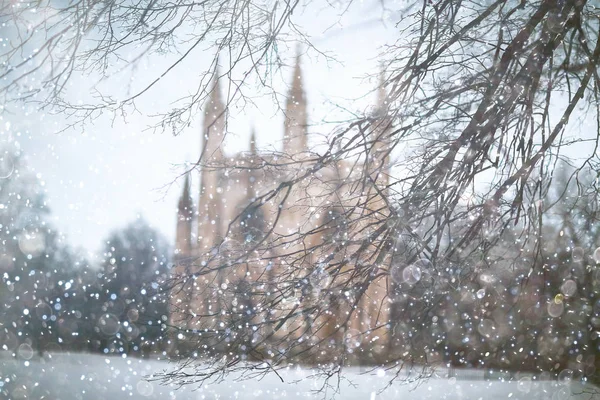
265, 263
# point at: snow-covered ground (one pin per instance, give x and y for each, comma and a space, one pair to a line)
84, 376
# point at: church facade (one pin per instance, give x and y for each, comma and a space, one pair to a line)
256, 248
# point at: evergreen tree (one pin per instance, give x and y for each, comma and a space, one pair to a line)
135, 304
39, 271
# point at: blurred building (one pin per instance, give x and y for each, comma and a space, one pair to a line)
254, 250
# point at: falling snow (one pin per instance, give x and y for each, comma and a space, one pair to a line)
235, 199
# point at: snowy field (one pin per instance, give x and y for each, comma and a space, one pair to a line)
83, 376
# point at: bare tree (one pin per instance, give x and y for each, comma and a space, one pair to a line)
51, 43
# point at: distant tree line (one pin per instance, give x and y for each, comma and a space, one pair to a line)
54, 299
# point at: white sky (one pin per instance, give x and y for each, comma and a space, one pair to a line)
102, 179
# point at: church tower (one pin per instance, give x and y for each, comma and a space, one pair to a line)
295, 138
380, 130
210, 207
374, 310
210, 202
185, 211
180, 304
252, 178
253, 149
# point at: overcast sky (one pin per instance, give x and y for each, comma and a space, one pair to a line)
105, 177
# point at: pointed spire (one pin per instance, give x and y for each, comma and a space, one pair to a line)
213, 131
251, 177
183, 236
296, 118
185, 201
186, 187
382, 97
296, 93
253, 141
215, 102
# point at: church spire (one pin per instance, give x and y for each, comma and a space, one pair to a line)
213, 133
253, 150
183, 240
296, 94
382, 97
185, 201
214, 121
380, 130
296, 121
